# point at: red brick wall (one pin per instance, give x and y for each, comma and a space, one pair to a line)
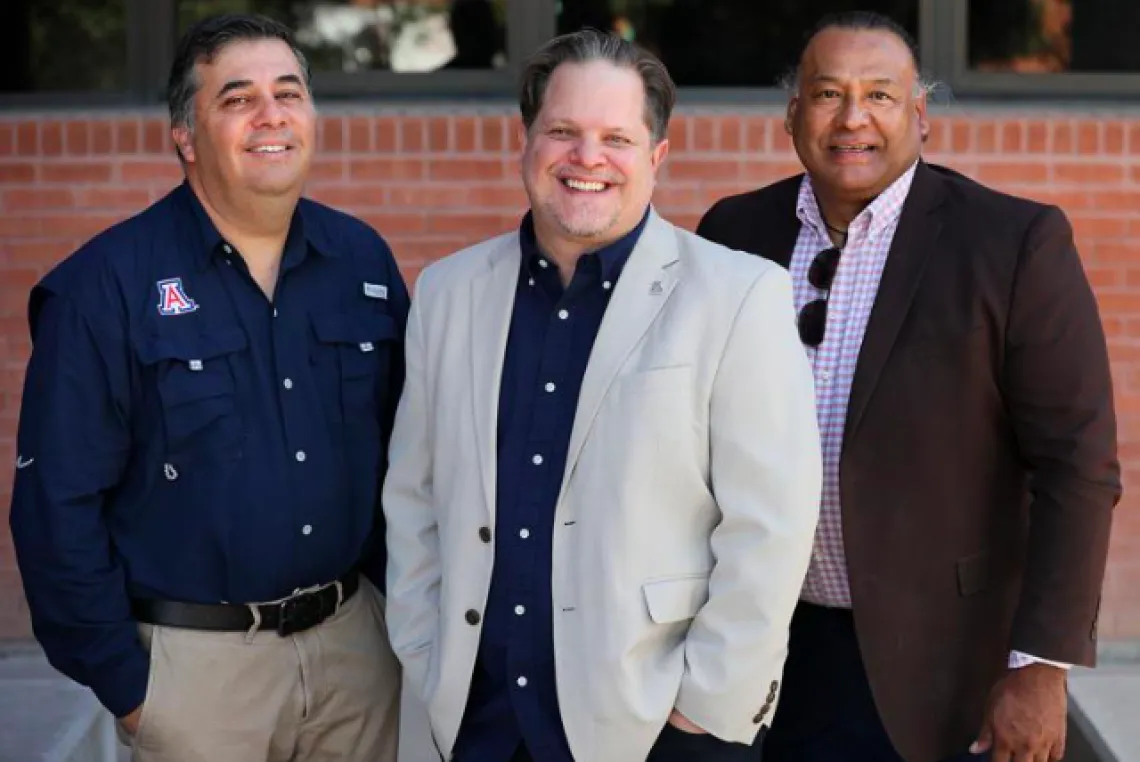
432, 183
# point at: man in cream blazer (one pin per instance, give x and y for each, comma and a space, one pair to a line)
617, 586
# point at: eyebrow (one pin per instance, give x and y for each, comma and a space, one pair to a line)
835, 80
238, 84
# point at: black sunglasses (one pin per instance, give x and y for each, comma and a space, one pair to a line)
812, 320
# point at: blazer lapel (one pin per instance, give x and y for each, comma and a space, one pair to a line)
642, 290
492, 302
914, 240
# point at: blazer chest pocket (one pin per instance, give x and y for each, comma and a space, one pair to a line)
196, 388
351, 358
940, 340
676, 599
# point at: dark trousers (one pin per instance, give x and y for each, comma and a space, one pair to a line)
678, 746
826, 712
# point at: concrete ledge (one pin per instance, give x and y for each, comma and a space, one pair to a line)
1104, 709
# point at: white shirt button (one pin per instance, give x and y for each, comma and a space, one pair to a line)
287, 383
300, 456
530, 282
307, 529
520, 610
536, 460
543, 263
607, 285
825, 376
550, 386
274, 312
521, 682
524, 533
563, 314
227, 248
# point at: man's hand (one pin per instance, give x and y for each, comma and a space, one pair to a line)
130, 723
1025, 716
685, 725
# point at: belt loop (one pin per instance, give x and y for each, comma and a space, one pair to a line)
252, 632
339, 596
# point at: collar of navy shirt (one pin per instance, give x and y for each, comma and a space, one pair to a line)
304, 235
612, 256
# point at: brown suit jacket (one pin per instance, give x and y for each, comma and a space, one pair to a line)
979, 469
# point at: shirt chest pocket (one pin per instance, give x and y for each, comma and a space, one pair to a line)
351, 358
196, 389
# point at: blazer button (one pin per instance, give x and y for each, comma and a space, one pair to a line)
485, 534
472, 617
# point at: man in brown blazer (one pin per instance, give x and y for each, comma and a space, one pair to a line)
969, 436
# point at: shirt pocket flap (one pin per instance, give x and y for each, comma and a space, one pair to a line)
362, 330
675, 599
189, 349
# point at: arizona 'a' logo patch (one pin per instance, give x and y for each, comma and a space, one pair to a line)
173, 299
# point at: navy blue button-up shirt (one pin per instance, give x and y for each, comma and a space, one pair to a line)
513, 696
183, 437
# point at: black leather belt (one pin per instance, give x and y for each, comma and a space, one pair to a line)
296, 613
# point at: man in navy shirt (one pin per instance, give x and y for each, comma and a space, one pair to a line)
203, 438
605, 468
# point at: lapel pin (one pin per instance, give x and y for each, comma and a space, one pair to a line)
655, 288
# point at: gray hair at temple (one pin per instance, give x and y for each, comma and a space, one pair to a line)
205, 40
592, 45
868, 21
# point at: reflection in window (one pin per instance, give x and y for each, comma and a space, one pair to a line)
742, 43
63, 46
409, 36
1048, 36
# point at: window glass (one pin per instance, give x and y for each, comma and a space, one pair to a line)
63, 46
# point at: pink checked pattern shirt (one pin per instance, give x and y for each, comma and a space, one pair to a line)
849, 305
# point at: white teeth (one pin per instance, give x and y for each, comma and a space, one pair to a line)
580, 185
269, 149
853, 148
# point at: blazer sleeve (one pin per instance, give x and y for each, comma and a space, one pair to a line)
766, 476
413, 568
1058, 390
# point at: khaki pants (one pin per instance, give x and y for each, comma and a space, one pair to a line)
329, 693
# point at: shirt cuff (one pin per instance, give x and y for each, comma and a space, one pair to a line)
121, 687
1017, 660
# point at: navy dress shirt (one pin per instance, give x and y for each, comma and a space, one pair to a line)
513, 698
183, 437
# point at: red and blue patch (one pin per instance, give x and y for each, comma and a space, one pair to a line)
173, 299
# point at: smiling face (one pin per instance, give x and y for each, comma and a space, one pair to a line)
858, 118
590, 162
254, 123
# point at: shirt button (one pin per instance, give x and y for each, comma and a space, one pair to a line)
521, 682
274, 312
287, 383
530, 282
520, 610
524, 533
607, 285
472, 617
227, 248
550, 386
485, 534
536, 460
307, 529
543, 263
300, 456
563, 314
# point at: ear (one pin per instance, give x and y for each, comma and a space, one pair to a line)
521, 132
923, 120
183, 142
790, 115
660, 151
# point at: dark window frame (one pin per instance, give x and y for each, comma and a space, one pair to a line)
942, 42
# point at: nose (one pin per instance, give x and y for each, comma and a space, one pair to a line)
271, 114
852, 116
588, 152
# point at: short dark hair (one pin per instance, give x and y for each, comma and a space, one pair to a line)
592, 45
205, 40
868, 21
